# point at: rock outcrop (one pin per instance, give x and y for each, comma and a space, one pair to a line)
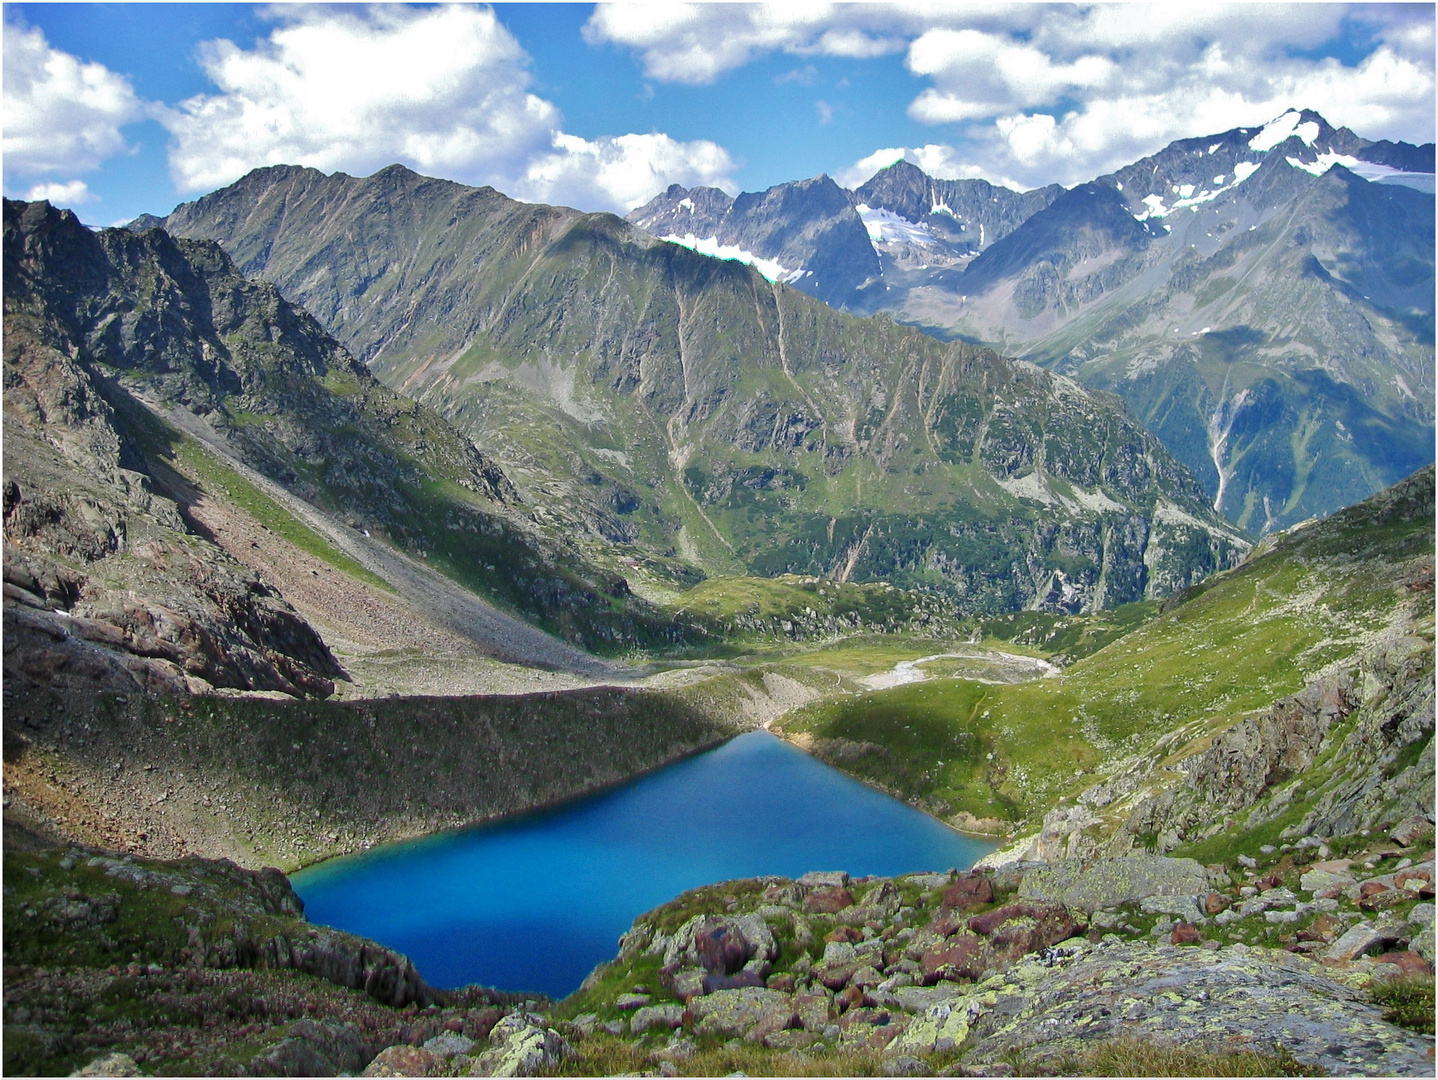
1352, 750
1035, 961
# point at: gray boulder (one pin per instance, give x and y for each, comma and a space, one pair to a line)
723, 945
520, 1045
110, 1065
649, 1017
1092, 884
740, 1012
815, 879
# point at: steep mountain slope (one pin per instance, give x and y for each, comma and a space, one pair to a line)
126, 353
1261, 298
674, 410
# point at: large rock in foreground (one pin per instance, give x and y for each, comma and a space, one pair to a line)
1051, 1006
1092, 884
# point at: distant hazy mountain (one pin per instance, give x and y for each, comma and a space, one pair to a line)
1262, 298
683, 414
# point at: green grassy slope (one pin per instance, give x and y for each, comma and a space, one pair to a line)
1310, 599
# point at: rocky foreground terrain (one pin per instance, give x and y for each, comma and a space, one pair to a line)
1310, 959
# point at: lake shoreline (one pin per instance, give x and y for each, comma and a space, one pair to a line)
537, 900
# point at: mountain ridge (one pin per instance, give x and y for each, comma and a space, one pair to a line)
1095, 281
701, 414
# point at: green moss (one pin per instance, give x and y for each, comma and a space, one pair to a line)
1146, 1057
1407, 1001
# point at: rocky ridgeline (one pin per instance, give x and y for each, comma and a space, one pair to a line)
958, 972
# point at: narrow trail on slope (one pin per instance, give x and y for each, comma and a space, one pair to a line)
431, 595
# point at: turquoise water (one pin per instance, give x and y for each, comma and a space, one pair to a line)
533, 904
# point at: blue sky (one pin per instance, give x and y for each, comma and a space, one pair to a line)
121, 109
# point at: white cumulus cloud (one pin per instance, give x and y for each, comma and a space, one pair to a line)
61, 115
444, 90
696, 43
67, 193
1063, 92
622, 172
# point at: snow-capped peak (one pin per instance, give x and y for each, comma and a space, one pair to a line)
1285, 127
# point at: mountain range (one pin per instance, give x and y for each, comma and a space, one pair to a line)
677, 415
1262, 298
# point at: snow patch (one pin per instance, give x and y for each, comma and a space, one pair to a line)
1188, 199
1368, 170
887, 227
1282, 129
709, 245
1214, 147
687, 204
942, 208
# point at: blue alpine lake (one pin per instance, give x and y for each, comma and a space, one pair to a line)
533, 903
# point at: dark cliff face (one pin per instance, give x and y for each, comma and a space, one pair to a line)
691, 409
106, 585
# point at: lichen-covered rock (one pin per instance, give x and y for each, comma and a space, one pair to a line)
110, 1065
940, 1027
828, 900
1092, 884
449, 1044
963, 956
520, 1045
1422, 944
405, 1060
1058, 1003
656, 1016
1356, 942
723, 945
313, 1048
736, 1013
970, 891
